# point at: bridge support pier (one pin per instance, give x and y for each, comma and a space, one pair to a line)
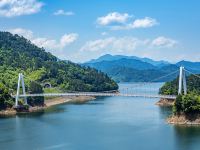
20, 81
182, 81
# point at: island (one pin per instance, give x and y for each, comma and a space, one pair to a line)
186, 108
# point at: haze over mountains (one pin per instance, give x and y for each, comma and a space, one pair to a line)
134, 69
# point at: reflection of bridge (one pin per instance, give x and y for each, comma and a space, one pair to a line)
125, 92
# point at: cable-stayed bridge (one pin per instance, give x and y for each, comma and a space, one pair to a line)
126, 92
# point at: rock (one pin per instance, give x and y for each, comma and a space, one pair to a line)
165, 102
182, 119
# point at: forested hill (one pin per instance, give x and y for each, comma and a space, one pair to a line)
171, 88
18, 54
134, 69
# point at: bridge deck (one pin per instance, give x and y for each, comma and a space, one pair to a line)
98, 94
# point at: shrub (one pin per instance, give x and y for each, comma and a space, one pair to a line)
187, 104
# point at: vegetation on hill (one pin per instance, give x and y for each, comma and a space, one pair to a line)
5, 99
127, 70
135, 69
124, 74
171, 88
18, 55
187, 104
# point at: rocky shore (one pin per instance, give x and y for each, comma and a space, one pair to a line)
49, 103
8, 112
183, 119
165, 102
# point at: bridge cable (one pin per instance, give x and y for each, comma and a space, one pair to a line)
192, 73
155, 79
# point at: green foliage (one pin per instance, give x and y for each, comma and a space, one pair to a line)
177, 105
52, 90
171, 88
35, 101
187, 104
5, 99
18, 55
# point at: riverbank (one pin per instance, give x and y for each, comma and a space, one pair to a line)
49, 103
165, 102
183, 119
67, 99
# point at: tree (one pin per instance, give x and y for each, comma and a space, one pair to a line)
6, 101
188, 104
35, 101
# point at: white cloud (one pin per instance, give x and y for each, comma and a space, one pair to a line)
68, 39
113, 17
49, 44
62, 12
22, 32
126, 45
144, 23
164, 42
11, 8
121, 44
117, 21
104, 33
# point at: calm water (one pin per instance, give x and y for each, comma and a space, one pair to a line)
108, 123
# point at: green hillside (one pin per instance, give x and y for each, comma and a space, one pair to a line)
188, 104
17, 54
171, 88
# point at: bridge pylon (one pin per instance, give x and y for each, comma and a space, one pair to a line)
182, 81
20, 82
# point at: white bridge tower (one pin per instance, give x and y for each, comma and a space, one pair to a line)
182, 82
20, 81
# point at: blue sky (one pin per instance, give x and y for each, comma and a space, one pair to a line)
80, 30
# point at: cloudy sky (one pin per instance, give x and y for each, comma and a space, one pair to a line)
79, 30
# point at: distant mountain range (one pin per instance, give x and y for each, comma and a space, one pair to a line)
134, 69
109, 57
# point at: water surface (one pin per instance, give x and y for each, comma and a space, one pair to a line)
118, 123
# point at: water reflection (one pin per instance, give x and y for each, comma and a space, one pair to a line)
187, 137
50, 110
164, 111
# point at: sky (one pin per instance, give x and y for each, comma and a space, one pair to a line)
80, 30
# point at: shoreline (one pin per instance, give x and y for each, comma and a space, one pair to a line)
183, 119
165, 102
49, 103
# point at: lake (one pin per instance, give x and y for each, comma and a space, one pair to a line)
107, 123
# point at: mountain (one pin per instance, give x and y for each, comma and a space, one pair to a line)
194, 66
135, 69
124, 74
18, 54
109, 57
123, 62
